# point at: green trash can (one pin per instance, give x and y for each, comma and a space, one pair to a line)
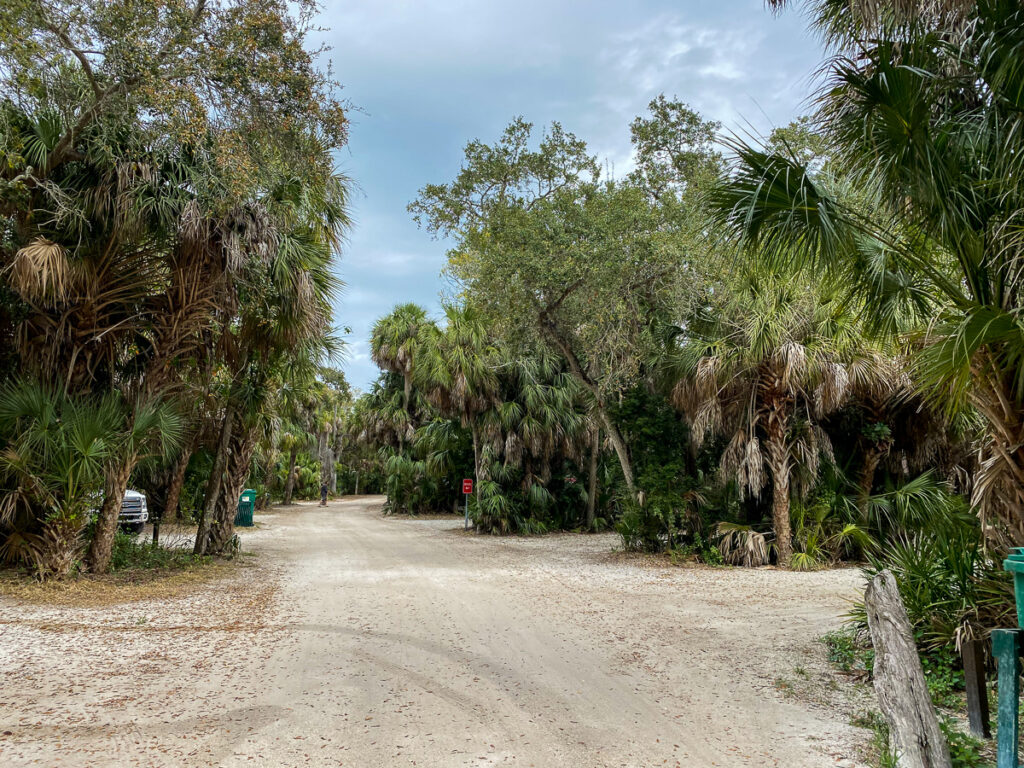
246, 504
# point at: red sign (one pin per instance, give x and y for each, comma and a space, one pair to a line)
467, 487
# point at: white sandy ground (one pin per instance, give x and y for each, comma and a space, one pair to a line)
365, 641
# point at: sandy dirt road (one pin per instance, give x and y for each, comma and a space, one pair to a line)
366, 641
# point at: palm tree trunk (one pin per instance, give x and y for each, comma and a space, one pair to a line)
102, 545
289, 483
780, 518
476, 461
335, 456
779, 464
239, 464
592, 481
213, 486
866, 480
999, 484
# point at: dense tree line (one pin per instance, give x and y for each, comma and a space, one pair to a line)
169, 211
801, 351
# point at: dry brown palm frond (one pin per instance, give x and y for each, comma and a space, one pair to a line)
9, 506
22, 547
742, 546
833, 390
744, 460
790, 360
705, 379
708, 418
41, 271
807, 451
684, 396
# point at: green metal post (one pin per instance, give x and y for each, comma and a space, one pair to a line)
1006, 647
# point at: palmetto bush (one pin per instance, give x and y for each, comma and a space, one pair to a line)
952, 587
56, 450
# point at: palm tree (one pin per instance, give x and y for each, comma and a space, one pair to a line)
760, 367
539, 419
279, 328
456, 371
395, 341
931, 136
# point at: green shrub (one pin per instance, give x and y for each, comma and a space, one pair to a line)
947, 581
849, 650
964, 749
130, 554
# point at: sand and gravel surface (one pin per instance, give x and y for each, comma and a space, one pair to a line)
358, 640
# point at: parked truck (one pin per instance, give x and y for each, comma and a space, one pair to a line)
134, 511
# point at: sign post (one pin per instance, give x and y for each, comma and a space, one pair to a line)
467, 489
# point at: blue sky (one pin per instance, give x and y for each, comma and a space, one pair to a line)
430, 75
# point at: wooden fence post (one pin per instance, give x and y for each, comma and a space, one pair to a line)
973, 653
899, 680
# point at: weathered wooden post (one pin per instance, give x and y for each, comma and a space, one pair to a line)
899, 680
973, 654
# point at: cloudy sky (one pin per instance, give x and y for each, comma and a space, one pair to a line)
429, 75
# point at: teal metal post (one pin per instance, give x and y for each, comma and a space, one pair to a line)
1006, 646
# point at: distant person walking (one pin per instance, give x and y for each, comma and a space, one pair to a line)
323, 494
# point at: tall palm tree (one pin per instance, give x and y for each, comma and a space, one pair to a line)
395, 341
925, 124
457, 371
279, 327
761, 366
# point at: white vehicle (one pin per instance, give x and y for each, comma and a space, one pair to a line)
134, 512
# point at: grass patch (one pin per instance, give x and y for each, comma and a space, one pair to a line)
139, 571
96, 591
783, 686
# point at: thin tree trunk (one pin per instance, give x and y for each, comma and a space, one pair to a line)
114, 486
576, 368
335, 454
213, 486
177, 481
899, 680
327, 467
289, 483
321, 455
619, 444
592, 481
866, 481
